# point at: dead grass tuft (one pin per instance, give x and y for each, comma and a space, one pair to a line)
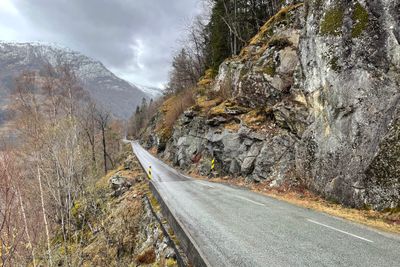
172, 108
204, 104
147, 257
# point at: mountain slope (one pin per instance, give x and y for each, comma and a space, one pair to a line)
115, 94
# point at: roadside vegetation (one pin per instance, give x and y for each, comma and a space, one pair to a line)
64, 143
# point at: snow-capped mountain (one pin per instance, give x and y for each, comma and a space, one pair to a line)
152, 92
117, 95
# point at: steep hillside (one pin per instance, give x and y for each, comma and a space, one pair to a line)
116, 222
107, 89
313, 100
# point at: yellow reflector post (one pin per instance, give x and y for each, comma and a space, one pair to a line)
149, 173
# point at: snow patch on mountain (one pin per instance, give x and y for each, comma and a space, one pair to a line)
151, 92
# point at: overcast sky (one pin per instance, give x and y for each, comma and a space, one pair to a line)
133, 38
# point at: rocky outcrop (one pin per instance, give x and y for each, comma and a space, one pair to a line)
350, 58
262, 78
315, 96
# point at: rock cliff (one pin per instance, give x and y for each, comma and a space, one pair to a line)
313, 99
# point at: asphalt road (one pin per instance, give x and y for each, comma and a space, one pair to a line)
236, 227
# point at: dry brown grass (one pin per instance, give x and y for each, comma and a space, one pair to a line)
172, 108
205, 105
147, 257
153, 151
233, 126
207, 79
254, 119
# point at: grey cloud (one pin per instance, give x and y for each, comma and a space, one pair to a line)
111, 31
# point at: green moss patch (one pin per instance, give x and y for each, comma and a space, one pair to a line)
334, 63
360, 20
270, 68
332, 22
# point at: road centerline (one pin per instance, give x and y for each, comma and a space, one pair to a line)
341, 231
249, 200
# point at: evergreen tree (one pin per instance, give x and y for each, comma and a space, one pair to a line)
219, 36
233, 23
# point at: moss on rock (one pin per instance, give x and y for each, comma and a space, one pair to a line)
332, 22
360, 20
270, 68
334, 63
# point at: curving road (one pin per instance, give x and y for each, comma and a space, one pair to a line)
236, 227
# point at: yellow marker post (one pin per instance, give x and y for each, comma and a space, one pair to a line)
149, 173
212, 164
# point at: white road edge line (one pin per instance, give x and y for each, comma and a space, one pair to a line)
204, 184
341, 231
249, 200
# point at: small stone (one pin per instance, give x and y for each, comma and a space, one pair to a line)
170, 253
274, 183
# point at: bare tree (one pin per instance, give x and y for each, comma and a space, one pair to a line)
30, 120
15, 238
103, 119
88, 124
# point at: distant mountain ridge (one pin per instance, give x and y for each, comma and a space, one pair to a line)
112, 92
152, 92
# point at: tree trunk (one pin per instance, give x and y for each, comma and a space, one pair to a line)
26, 228
44, 214
103, 132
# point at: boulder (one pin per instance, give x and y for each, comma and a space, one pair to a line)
330, 96
248, 163
276, 158
119, 185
